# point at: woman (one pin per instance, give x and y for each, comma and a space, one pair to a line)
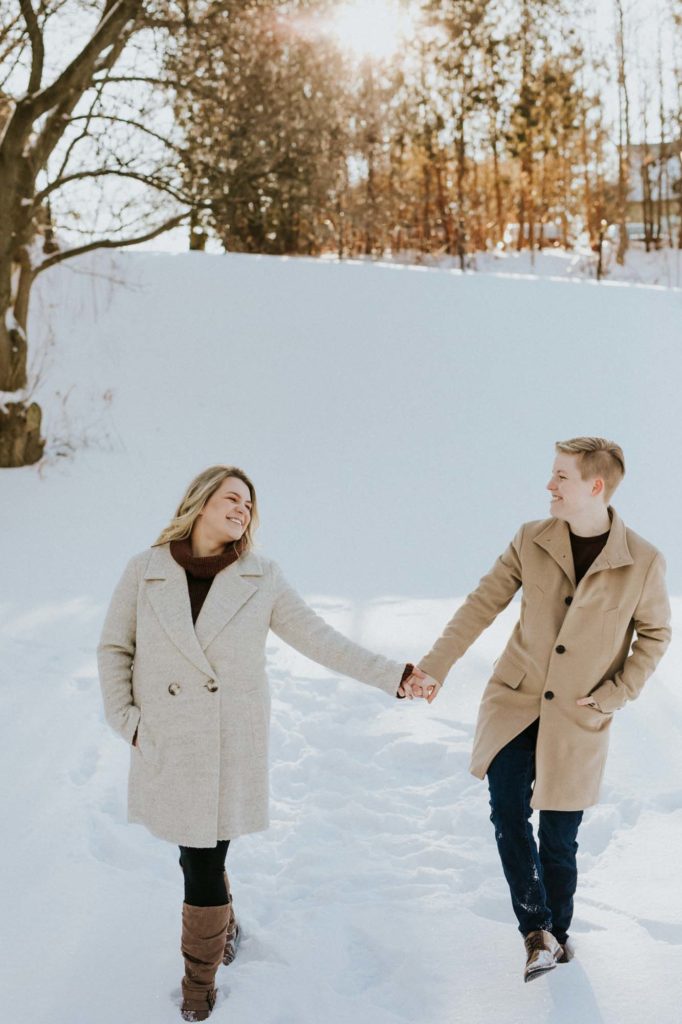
182, 670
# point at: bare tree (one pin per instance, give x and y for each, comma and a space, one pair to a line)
60, 129
624, 137
676, 20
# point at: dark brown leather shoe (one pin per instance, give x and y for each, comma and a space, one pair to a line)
542, 954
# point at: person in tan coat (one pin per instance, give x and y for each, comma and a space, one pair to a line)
182, 670
589, 585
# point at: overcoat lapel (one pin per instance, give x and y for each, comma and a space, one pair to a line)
169, 597
230, 589
616, 551
555, 540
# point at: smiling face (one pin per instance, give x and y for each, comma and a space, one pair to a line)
573, 497
227, 513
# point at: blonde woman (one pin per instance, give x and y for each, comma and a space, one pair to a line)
182, 670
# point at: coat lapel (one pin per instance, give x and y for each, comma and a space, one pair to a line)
230, 590
555, 540
616, 551
169, 597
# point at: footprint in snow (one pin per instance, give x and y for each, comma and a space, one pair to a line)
86, 767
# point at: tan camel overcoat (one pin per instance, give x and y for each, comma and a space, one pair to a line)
198, 695
570, 642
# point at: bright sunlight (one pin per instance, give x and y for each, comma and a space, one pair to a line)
371, 28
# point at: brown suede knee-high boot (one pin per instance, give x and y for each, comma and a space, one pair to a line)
203, 946
232, 934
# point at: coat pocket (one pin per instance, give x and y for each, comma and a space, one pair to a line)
509, 671
146, 747
608, 629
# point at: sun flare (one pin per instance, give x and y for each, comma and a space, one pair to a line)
370, 28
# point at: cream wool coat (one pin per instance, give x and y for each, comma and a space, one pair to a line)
198, 695
570, 642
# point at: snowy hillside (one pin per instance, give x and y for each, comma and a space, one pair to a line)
398, 423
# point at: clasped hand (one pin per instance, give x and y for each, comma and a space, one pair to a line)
419, 685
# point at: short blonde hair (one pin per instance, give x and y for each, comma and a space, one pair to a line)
195, 497
597, 457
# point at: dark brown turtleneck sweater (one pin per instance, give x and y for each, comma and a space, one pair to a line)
201, 572
585, 550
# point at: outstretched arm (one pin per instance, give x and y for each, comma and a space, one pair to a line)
481, 608
302, 628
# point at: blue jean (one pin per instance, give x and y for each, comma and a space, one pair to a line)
542, 882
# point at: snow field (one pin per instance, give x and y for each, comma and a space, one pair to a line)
383, 412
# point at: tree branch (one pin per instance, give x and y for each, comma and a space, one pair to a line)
133, 124
65, 92
136, 78
18, 45
146, 179
109, 243
78, 73
58, 120
7, 29
37, 45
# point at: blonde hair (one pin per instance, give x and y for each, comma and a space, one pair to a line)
195, 497
597, 457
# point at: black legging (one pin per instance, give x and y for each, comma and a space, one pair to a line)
203, 870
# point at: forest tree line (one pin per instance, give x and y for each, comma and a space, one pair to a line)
489, 128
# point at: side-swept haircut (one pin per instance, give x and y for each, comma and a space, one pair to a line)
597, 457
196, 496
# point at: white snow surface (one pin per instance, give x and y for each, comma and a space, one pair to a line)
399, 423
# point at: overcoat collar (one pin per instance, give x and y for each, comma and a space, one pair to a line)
169, 597
556, 541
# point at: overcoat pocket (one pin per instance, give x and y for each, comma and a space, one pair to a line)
509, 671
145, 743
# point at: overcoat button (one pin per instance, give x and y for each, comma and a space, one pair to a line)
173, 689
549, 695
568, 600
211, 686
560, 649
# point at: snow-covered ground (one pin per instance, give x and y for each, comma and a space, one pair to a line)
399, 424
662, 268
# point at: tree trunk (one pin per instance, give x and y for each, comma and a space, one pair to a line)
461, 174
624, 141
587, 185
498, 192
426, 208
20, 440
443, 205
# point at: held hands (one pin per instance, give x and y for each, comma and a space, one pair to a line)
419, 685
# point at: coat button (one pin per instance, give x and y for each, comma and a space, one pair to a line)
549, 695
211, 686
568, 600
174, 688
560, 649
